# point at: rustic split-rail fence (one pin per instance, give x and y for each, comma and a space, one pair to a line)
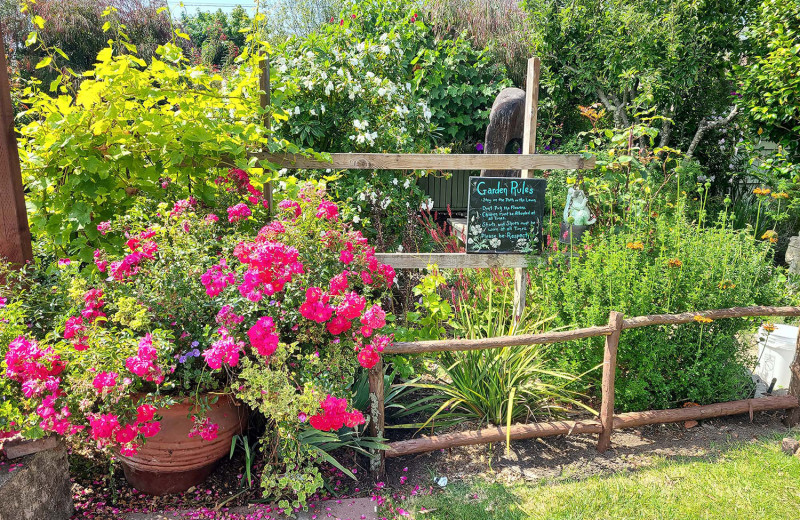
15, 245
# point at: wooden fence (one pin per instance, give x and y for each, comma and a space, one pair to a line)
607, 420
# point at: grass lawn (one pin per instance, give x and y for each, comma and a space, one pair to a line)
750, 481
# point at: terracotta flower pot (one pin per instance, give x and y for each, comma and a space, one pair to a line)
171, 461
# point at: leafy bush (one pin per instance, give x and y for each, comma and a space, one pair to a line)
662, 264
199, 305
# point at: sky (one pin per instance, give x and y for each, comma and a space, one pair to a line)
192, 6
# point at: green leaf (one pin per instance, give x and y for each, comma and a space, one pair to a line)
44, 62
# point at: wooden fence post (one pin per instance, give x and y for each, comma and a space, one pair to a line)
15, 235
377, 417
528, 147
609, 372
264, 100
793, 414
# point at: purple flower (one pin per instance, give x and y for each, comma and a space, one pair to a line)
302, 417
479, 147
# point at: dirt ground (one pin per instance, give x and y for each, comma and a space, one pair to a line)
575, 456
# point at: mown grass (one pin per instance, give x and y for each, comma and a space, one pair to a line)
749, 481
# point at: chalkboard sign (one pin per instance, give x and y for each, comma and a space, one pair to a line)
504, 214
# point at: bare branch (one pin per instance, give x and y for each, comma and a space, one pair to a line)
706, 125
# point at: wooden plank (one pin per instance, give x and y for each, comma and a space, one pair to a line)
625, 420
377, 416
688, 317
609, 373
793, 415
421, 161
451, 260
528, 148
417, 347
531, 111
15, 235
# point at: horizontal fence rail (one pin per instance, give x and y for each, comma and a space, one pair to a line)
625, 420
420, 161
607, 420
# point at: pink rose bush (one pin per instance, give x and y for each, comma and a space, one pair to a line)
280, 313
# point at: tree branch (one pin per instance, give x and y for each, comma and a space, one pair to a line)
705, 126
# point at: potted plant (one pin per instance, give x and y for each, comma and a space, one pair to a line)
156, 352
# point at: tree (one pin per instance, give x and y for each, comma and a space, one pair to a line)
668, 59
769, 80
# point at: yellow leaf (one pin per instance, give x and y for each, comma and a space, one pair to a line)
105, 55
44, 62
38, 21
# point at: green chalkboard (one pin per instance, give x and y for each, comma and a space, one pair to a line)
504, 214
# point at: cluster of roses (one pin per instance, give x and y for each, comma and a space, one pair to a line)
37, 370
239, 181
141, 246
143, 364
334, 415
106, 429
75, 326
270, 266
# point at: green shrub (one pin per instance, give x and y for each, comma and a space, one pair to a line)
665, 265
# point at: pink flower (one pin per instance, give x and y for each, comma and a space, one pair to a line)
351, 306
316, 307
327, 210
205, 429
145, 413
338, 325
263, 337
290, 207
105, 380
227, 318
149, 429
238, 212
103, 227
374, 318
101, 263
334, 415
3, 301
368, 358
388, 274
103, 426
73, 327
143, 363
63, 262
346, 257
211, 218
217, 278
126, 434
338, 284
224, 350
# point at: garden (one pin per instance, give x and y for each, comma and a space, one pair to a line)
401, 258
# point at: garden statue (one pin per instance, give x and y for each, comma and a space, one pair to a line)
577, 207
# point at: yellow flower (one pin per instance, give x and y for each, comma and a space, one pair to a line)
780, 195
702, 319
635, 245
674, 262
762, 191
769, 327
726, 284
770, 235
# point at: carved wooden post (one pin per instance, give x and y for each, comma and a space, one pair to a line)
264, 100
793, 414
528, 147
609, 372
15, 236
377, 417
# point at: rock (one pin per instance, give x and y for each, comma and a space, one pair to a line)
793, 255
37, 488
690, 424
789, 445
506, 124
18, 447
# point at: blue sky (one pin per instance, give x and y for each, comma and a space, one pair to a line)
192, 6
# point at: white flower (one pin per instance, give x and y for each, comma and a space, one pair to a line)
395, 181
312, 112
381, 91
427, 205
356, 219
329, 88
385, 203
407, 183
322, 108
400, 248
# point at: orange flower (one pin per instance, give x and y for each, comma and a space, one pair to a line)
635, 245
770, 235
702, 319
762, 191
769, 327
674, 262
726, 284
780, 195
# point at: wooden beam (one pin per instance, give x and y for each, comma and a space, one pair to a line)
625, 420
688, 317
793, 415
377, 417
418, 347
15, 235
609, 373
528, 148
451, 260
421, 161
